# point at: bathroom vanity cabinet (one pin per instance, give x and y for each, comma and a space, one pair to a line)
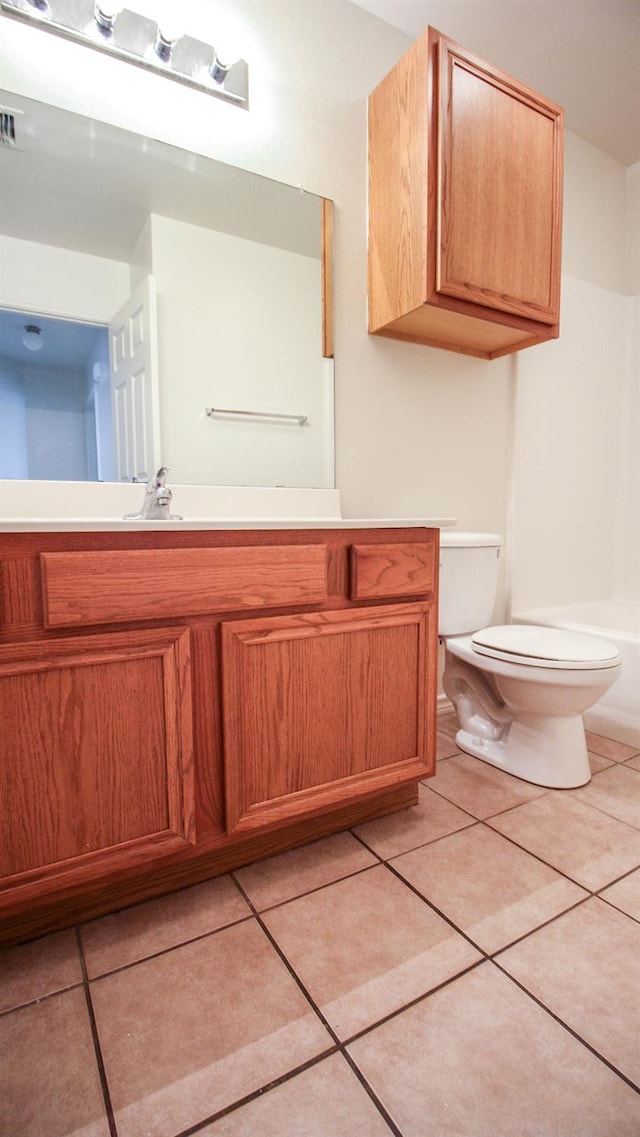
177, 704
465, 204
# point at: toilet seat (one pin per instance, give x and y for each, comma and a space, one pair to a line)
533, 646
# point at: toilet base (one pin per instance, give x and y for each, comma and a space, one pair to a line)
547, 751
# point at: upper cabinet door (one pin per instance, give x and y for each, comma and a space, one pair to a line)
465, 204
500, 184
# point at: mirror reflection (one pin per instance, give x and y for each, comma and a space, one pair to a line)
142, 285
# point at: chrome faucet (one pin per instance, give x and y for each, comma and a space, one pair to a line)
156, 505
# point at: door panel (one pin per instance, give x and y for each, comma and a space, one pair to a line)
322, 707
498, 217
134, 385
95, 751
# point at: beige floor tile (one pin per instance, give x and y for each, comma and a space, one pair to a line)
396, 833
491, 890
479, 788
586, 844
448, 724
325, 1101
609, 748
290, 874
365, 946
615, 791
445, 746
188, 1032
585, 967
597, 762
625, 895
481, 1059
125, 937
49, 1081
40, 968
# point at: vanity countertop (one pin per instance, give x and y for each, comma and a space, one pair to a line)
100, 507
112, 524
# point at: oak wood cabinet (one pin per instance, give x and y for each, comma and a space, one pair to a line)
173, 705
465, 204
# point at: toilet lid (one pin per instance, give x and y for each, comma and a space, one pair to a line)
545, 647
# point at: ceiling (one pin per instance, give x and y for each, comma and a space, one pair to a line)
582, 54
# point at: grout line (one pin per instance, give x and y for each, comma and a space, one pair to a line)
198, 1126
167, 950
288, 966
113, 1131
41, 998
416, 1000
339, 1045
308, 891
570, 1030
356, 1071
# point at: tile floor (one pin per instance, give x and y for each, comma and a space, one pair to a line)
467, 967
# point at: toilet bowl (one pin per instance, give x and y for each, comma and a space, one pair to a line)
520, 698
519, 690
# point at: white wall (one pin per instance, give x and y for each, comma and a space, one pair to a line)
59, 282
575, 479
55, 423
418, 431
238, 327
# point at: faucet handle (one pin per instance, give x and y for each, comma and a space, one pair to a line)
157, 481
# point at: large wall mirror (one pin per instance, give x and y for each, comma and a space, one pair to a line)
157, 307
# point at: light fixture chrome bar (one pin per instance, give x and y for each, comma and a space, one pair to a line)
300, 419
135, 39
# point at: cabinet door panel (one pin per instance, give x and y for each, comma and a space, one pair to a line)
323, 707
95, 751
499, 224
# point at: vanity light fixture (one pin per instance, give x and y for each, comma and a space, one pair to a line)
156, 45
32, 338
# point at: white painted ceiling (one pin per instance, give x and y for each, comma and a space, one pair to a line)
582, 54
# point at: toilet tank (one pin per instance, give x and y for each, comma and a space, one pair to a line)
469, 566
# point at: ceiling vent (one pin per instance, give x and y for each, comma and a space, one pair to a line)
9, 128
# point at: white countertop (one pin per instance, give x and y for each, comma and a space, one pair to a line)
100, 507
112, 524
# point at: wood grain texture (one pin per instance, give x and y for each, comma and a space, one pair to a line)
398, 134
387, 570
29, 911
501, 174
95, 750
465, 205
113, 587
326, 240
168, 821
323, 706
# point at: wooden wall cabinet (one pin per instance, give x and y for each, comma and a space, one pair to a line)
465, 204
174, 705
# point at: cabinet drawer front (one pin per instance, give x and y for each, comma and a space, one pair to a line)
382, 571
113, 587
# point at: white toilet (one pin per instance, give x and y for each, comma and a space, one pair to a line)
519, 690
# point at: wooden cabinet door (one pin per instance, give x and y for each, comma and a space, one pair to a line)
499, 189
95, 756
323, 708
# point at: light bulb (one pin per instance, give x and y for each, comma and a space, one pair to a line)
32, 337
169, 32
225, 54
106, 13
